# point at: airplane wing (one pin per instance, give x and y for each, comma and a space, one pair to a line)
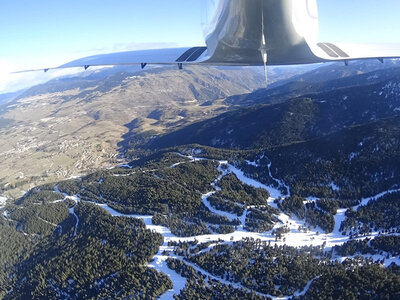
303, 53
164, 56
252, 33
348, 51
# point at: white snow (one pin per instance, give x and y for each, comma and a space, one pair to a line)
252, 163
339, 218
191, 158
74, 198
280, 183
160, 264
71, 211
390, 89
306, 288
209, 275
295, 237
126, 166
298, 236
204, 199
275, 193
3, 201
176, 164
375, 76
123, 175
376, 257
365, 201
352, 155
197, 151
159, 260
334, 187
311, 199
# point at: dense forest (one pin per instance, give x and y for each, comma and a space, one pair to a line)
98, 256
378, 215
386, 245
170, 187
356, 162
283, 270
57, 241
200, 287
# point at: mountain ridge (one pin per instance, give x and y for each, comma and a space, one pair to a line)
319, 113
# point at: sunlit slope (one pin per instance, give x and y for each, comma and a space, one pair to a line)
70, 126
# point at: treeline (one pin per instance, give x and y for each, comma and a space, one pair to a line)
170, 187
260, 267
199, 287
226, 205
361, 161
319, 214
283, 270
378, 215
163, 190
233, 189
41, 219
261, 219
384, 245
352, 281
200, 222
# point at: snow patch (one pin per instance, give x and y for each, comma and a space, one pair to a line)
275, 193
365, 201
353, 155
126, 166
72, 212
334, 187
204, 199
179, 282
306, 288
3, 201
390, 89
252, 163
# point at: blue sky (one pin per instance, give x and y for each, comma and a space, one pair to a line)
40, 33
374, 21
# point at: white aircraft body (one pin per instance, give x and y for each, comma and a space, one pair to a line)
252, 33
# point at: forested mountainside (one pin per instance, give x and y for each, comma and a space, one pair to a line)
323, 79
295, 120
199, 205
294, 200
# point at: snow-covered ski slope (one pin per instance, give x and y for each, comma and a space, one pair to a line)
296, 237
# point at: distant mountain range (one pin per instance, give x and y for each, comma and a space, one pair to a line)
325, 78
355, 100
